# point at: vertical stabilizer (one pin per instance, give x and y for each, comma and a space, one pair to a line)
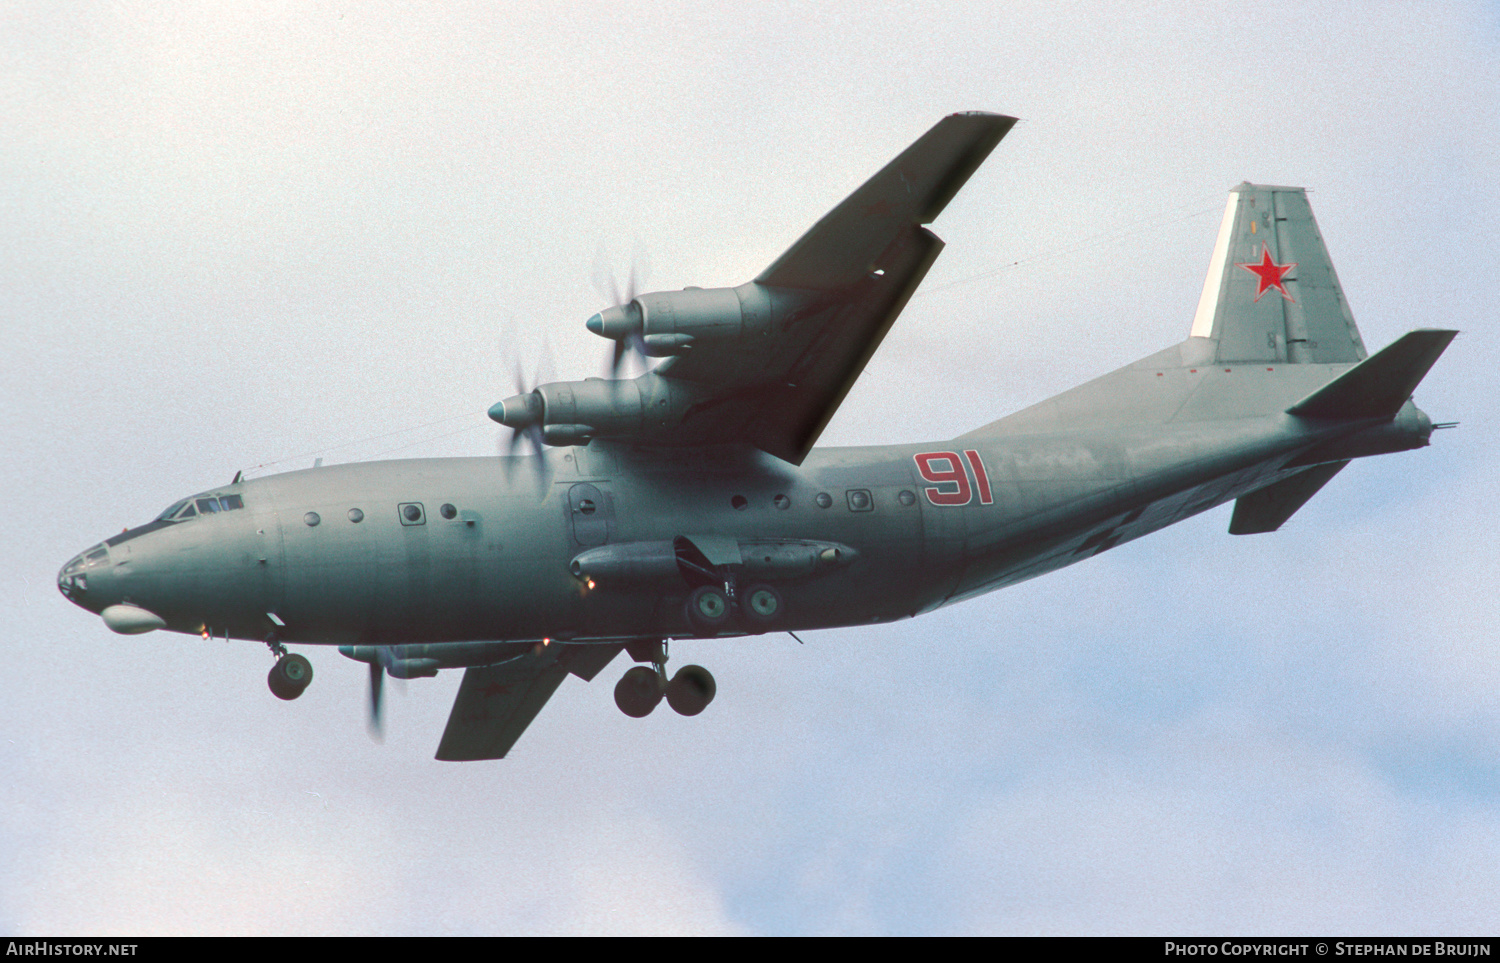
1271, 293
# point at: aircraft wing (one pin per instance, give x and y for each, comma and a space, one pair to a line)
851, 275
496, 703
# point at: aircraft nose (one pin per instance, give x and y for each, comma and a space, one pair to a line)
72, 580
88, 580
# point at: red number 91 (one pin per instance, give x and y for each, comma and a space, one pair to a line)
949, 479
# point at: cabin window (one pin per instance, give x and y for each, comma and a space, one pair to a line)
860, 500
411, 513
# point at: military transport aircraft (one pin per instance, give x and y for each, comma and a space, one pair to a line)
690, 501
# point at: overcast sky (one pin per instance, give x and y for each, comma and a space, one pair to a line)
245, 236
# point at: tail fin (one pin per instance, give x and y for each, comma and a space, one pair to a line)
1271, 293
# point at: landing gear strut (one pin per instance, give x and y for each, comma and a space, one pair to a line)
642, 688
291, 675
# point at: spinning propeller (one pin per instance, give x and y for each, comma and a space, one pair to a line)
622, 320
522, 413
377, 685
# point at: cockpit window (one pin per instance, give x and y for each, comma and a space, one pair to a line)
192, 508
171, 510
92, 558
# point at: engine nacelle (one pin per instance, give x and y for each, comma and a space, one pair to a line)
671, 322
581, 410
575, 412
667, 323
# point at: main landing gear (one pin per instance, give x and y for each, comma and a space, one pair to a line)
642, 688
710, 609
292, 673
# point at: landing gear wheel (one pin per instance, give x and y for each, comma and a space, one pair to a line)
708, 609
691, 690
290, 677
761, 605
638, 691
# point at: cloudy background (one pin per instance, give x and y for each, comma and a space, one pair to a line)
246, 236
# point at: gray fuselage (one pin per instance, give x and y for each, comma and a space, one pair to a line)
484, 554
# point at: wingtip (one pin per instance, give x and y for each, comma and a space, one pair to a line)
999, 124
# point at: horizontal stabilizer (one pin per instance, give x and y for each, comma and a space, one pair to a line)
1268, 509
1378, 386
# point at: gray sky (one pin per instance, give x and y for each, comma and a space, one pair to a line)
238, 236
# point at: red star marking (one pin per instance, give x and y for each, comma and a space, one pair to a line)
1270, 274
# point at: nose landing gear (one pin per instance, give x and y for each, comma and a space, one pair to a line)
292, 673
290, 676
641, 689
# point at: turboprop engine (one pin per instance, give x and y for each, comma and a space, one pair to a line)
576, 412
671, 322
661, 324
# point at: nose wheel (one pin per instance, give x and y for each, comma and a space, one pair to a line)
290, 677
292, 673
642, 688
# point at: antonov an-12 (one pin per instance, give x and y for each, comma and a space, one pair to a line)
690, 501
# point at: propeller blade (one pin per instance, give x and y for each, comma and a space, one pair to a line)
377, 683
632, 345
527, 435
608, 285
